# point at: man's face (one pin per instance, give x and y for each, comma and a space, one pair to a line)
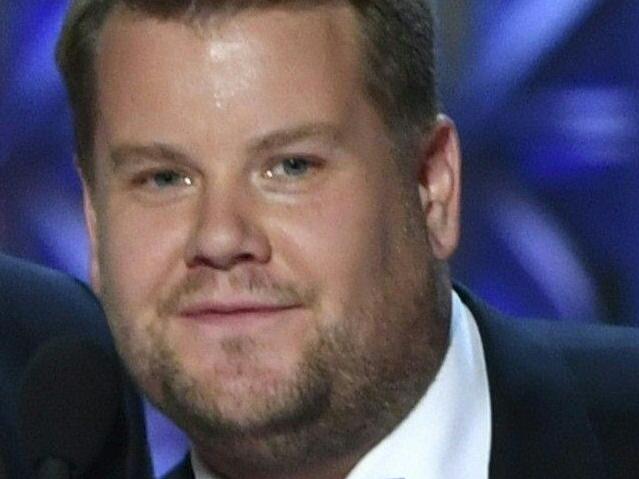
262, 260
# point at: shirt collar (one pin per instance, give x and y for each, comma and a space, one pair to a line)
448, 433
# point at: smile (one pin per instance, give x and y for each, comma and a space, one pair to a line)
234, 313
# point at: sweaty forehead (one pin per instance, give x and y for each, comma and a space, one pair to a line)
335, 23
230, 77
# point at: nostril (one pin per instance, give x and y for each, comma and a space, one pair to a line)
220, 262
244, 257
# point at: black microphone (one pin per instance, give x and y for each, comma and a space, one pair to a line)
69, 404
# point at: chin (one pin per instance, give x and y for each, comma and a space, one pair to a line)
240, 398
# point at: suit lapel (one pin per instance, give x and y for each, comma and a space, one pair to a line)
540, 426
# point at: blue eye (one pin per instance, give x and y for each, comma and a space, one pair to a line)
166, 178
288, 168
295, 166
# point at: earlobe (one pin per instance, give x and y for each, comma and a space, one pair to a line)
91, 223
440, 185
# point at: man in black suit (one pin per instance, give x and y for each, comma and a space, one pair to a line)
272, 199
37, 305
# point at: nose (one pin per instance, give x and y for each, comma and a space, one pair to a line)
225, 232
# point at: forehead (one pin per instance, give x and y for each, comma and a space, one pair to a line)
335, 21
278, 58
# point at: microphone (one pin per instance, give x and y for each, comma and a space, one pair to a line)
69, 405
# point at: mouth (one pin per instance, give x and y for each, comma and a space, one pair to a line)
235, 313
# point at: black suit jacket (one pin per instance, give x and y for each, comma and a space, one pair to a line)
36, 305
565, 398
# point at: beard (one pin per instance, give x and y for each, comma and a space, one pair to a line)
358, 376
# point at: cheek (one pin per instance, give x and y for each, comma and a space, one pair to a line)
139, 252
338, 243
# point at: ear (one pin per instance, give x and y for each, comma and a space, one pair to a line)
440, 185
92, 228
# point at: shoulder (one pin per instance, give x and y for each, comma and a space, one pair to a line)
595, 368
591, 351
603, 359
604, 362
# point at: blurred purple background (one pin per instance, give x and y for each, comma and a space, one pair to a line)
546, 96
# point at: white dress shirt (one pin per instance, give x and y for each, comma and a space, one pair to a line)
448, 433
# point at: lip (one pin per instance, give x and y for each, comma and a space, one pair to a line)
234, 312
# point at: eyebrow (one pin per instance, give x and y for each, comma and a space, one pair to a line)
284, 137
121, 154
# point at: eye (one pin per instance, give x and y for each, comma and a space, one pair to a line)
292, 167
162, 179
170, 178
